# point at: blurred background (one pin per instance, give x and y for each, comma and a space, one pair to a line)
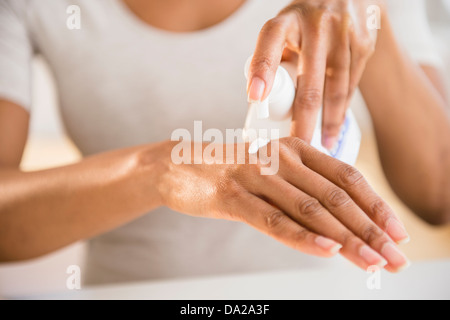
48, 146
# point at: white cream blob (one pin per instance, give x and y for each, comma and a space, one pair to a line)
257, 144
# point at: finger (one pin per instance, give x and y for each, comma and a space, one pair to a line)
360, 52
335, 97
267, 57
353, 183
345, 210
310, 86
356, 71
309, 212
273, 222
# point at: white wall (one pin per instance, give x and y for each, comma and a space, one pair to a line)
439, 14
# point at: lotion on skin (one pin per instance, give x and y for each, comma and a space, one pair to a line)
276, 113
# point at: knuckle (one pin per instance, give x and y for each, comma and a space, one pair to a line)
339, 67
323, 15
331, 127
291, 149
319, 19
300, 237
347, 238
228, 191
380, 210
295, 143
274, 220
325, 11
228, 186
343, 24
221, 189
274, 25
263, 63
310, 98
337, 198
234, 190
349, 176
300, 9
336, 98
309, 208
285, 149
371, 234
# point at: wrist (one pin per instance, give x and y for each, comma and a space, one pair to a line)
153, 164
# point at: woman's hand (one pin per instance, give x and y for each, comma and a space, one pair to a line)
314, 203
330, 43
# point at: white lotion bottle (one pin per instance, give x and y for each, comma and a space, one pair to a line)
276, 113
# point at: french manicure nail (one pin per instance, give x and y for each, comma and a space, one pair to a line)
394, 256
404, 267
256, 90
397, 231
328, 142
372, 257
328, 245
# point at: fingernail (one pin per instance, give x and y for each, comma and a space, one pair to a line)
394, 256
328, 142
372, 257
397, 231
404, 267
256, 90
328, 245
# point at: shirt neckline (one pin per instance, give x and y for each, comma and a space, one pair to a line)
135, 21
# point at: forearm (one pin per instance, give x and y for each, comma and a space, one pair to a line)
412, 127
45, 210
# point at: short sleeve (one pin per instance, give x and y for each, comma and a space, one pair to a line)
15, 56
411, 27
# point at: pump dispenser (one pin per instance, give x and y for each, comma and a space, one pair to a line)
276, 113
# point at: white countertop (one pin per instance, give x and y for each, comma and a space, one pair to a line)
423, 280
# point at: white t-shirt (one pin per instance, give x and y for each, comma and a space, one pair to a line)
439, 17
122, 82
